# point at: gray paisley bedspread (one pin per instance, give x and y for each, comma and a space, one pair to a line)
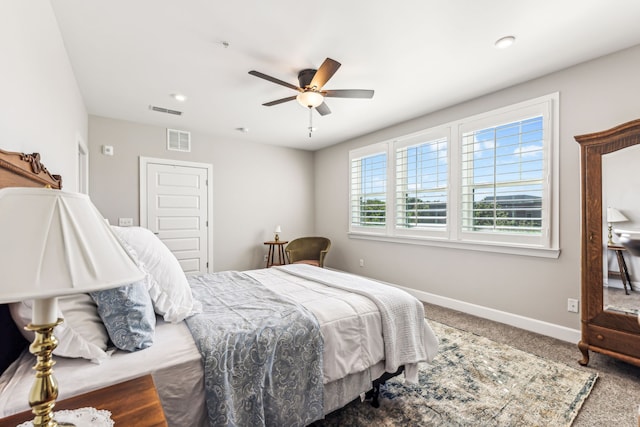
262, 354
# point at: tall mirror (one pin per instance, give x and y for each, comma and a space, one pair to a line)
609, 180
621, 210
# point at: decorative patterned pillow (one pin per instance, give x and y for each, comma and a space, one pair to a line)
127, 314
81, 335
166, 282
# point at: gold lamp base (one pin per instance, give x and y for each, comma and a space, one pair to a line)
44, 391
610, 235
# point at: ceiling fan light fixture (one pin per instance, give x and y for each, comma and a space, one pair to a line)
310, 99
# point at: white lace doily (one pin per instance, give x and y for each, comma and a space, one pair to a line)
82, 417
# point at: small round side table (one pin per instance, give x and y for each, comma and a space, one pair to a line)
276, 247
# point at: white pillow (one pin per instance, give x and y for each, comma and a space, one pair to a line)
81, 335
166, 282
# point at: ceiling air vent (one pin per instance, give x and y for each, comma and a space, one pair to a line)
178, 140
165, 110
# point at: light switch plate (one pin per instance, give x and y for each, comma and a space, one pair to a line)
125, 222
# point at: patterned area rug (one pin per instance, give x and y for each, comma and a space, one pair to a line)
474, 381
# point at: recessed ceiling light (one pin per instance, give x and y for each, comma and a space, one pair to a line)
179, 97
505, 42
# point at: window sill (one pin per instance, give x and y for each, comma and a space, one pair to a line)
469, 246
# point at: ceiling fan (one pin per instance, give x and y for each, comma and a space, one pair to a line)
310, 90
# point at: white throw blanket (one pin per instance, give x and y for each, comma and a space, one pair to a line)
407, 338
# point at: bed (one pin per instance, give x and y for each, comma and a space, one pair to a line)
305, 342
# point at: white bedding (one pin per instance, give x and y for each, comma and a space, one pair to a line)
350, 323
353, 346
407, 337
178, 378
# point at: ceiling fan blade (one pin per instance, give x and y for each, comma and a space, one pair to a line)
274, 80
324, 73
323, 109
348, 93
279, 101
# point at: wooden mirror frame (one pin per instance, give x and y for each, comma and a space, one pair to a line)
606, 332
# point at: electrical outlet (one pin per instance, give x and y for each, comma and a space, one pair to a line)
572, 305
361, 262
266, 257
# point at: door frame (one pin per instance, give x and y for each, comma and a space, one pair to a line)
144, 161
83, 165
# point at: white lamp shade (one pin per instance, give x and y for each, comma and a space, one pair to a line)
278, 229
57, 243
614, 215
310, 99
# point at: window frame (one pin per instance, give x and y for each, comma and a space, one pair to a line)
496, 119
359, 154
417, 140
546, 245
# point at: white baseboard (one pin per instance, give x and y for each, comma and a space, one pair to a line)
545, 328
528, 324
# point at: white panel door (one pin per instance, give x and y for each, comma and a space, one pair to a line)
177, 211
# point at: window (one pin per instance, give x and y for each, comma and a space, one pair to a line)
484, 182
369, 190
421, 183
505, 189
503, 172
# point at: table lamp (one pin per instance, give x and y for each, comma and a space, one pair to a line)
277, 232
614, 215
54, 243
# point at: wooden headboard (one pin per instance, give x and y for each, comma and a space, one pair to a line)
19, 170
25, 170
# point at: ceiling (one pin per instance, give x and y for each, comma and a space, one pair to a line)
418, 55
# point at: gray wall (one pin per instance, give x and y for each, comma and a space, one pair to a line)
42, 109
593, 96
255, 187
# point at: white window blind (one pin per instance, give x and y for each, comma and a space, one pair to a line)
421, 184
369, 190
503, 170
